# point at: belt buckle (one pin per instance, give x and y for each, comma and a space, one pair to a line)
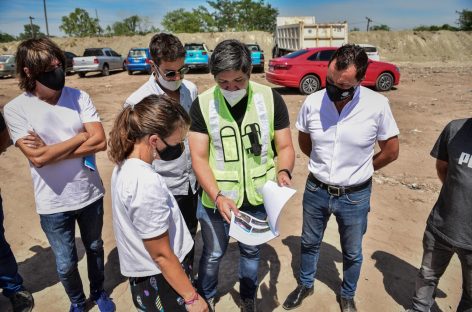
334, 190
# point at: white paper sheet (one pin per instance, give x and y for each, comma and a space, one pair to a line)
253, 231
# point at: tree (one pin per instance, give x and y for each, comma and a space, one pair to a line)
227, 15
436, 28
132, 25
4, 37
197, 20
380, 27
355, 29
28, 32
465, 19
80, 24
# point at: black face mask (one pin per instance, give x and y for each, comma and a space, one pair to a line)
171, 152
54, 79
336, 94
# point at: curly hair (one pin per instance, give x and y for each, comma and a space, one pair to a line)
165, 47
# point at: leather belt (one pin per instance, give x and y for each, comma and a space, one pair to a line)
337, 190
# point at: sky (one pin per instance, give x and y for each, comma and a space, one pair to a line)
397, 14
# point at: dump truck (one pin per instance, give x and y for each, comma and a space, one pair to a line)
299, 32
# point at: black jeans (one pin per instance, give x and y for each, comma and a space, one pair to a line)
188, 207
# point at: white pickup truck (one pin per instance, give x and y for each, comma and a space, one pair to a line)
98, 60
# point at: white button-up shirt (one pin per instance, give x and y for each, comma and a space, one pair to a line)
177, 173
343, 143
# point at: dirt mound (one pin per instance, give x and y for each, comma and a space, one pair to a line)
400, 46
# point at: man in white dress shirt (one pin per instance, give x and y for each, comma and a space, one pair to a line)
338, 128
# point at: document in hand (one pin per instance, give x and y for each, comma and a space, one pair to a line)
252, 231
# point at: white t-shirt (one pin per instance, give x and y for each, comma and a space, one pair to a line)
65, 185
143, 208
177, 173
343, 144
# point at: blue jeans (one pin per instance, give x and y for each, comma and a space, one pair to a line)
10, 281
60, 231
351, 212
215, 236
436, 256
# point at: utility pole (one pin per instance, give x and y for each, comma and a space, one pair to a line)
31, 25
46, 18
368, 22
98, 22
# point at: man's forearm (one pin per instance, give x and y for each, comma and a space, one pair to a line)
53, 153
381, 159
91, 146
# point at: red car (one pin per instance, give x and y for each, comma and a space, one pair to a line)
306, 70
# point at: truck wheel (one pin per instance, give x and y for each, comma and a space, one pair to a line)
384, 82
81, 75
105, 70
309, 84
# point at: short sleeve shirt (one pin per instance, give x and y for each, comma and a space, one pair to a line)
451, 217
177, 173
65, 185
281, 118
343, 143
143, 208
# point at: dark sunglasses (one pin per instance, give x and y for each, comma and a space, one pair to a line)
173, 73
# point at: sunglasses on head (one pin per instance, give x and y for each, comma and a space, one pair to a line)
172, 73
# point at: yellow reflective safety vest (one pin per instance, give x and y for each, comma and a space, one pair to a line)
241, 158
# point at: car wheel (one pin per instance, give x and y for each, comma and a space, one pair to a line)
81, 75
124, 66
130, 72
105, 70
309, 84
384, 82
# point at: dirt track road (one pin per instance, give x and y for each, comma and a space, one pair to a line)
428, 97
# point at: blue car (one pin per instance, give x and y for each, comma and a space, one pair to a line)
197, 56
138, 60
257, 57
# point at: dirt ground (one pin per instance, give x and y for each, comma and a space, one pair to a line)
430, 94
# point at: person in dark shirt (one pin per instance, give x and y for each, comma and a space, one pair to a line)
10, 280
238, 127
449, 225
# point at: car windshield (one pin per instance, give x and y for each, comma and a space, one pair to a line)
295, 54
370, 49
253, 47
4, 58
137, 53
194, 47
93, 52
